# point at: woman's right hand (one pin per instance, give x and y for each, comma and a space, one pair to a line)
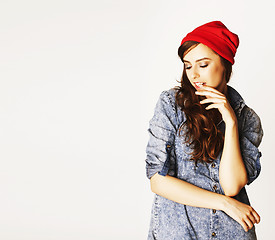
242, 213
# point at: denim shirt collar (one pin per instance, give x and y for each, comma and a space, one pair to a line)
235, 99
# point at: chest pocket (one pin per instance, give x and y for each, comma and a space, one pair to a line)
186, 168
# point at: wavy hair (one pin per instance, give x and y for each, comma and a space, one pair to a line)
202, 133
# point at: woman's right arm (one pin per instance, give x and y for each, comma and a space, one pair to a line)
185, 193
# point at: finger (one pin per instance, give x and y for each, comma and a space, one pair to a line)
214, 100
211, 89
248, 222
214, 105
256, 216
208, 93
244, 225
252, 218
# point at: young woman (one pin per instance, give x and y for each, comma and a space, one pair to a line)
203, 146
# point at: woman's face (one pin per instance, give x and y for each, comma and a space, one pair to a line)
203, 66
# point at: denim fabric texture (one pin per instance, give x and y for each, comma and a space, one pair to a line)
167, 154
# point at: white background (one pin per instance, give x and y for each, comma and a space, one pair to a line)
79, 82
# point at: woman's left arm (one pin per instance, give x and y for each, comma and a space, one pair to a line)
232, 171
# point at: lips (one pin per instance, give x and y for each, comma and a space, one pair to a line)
199, 84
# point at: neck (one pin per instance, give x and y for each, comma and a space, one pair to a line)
223, 88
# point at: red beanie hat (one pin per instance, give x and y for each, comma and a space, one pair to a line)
216, 36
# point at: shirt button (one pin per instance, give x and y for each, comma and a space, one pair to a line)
213, 165
213, 234
214, 210
215, 187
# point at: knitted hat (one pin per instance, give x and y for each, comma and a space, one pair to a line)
216, 36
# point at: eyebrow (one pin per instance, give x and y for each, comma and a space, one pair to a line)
205, 58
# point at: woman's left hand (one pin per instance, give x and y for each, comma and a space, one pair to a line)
219, 101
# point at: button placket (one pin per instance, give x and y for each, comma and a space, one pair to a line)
214, 171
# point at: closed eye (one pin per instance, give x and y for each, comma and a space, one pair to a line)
203, 66
187, 66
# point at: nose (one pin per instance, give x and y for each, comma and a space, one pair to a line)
195, 73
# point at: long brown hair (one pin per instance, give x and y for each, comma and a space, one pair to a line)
201, 132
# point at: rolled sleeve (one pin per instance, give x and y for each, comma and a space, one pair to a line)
160, 156
250, 140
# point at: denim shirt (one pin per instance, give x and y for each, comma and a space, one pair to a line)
167, 154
